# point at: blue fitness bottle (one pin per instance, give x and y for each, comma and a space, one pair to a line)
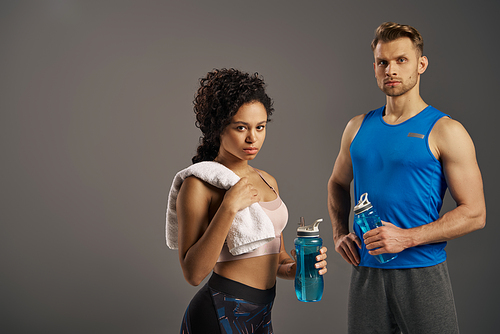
308, 282
367, 218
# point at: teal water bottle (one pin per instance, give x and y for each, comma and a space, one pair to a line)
308, 282
367, 218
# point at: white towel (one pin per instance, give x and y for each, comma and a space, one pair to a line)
251, 226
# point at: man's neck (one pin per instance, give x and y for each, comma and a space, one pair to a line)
401, 108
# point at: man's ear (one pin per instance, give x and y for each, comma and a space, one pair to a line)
423, 63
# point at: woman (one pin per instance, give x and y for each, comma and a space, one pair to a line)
232, 110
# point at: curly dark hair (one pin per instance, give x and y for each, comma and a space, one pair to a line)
222, 92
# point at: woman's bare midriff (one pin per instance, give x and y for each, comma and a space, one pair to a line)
257, 272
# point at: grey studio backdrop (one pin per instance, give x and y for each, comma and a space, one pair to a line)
96, 119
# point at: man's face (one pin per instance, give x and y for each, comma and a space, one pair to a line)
398, 66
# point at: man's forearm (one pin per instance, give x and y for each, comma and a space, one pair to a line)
339, 205
455, 223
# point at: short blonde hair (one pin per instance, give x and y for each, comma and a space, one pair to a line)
390, 31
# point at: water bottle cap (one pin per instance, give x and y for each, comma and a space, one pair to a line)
363, 204
309, 230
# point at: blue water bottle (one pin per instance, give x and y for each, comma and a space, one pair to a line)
367, 218
308, 282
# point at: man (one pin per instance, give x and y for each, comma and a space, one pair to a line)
404, 155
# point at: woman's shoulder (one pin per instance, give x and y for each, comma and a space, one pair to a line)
194, 187
268, 177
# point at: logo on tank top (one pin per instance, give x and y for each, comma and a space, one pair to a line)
415, 135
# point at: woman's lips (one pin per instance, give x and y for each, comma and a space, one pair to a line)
251, 150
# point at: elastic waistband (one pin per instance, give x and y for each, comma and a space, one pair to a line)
240, 290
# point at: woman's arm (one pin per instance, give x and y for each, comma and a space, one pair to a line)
287, 265
201, 239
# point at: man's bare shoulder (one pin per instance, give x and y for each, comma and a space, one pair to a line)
447, 122
449, 138
353, 126
356, 120
448, 129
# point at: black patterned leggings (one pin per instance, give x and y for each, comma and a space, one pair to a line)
225, 306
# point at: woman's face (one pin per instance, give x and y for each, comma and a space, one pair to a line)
244, 136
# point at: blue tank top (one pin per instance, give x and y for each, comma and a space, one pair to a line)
403, 179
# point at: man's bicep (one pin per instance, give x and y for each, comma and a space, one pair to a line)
342, 170
460, 166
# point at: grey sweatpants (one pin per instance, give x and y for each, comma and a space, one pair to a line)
411, 301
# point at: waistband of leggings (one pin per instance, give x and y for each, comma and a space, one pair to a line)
240, 290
